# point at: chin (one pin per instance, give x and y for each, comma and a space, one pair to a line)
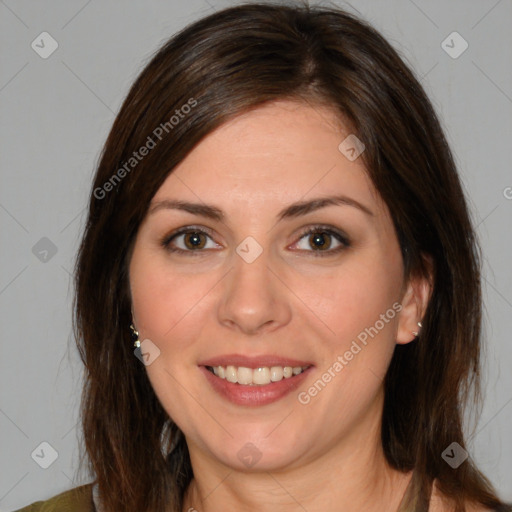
253, 453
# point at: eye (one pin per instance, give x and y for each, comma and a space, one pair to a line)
319, 240
322, 240
188, 240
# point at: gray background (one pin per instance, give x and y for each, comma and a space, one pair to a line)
55, 116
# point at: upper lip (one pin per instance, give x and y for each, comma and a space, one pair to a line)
253, 361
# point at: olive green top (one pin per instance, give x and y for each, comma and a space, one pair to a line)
83, 499
79, 499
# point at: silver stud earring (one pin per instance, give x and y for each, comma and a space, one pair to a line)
416, 332
135, 335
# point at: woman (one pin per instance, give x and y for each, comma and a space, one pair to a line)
278, 300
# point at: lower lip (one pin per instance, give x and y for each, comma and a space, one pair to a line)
254, 395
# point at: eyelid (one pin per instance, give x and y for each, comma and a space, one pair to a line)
340, 236
166, 240
325, 228
314, 228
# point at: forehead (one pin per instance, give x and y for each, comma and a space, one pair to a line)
275, 154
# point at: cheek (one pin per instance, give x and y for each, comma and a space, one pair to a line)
360, 305
154, 295
372, 311
361, 309
354, 297
149, 298
165, 307
164, 302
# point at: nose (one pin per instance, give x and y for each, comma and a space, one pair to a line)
254, 298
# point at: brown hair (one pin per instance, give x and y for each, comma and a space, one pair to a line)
221, 66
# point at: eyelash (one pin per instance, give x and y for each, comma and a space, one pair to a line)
322, 229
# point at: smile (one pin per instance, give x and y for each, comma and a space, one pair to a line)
255, 376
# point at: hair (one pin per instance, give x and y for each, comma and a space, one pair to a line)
219, 67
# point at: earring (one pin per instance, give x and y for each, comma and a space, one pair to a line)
416, 332
135, 335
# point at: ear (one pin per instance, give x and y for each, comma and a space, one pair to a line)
414, 303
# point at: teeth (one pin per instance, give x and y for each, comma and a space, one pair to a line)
260, 376
257, 376
231, 374
244, 375
276, 373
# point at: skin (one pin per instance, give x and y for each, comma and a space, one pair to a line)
327, 454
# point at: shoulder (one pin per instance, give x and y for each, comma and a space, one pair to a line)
472, 507
78, 499
439, 503
506, 507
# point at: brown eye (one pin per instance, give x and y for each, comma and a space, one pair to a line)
322, 241
194, 240
190, 241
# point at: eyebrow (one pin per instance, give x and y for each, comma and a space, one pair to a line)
292, 211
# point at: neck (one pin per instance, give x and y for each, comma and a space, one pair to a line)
351, 476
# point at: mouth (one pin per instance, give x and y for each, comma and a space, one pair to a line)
261, 376
254, 381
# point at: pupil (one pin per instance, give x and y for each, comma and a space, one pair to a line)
319, 240
193, 240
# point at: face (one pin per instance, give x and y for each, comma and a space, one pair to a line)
240, 265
